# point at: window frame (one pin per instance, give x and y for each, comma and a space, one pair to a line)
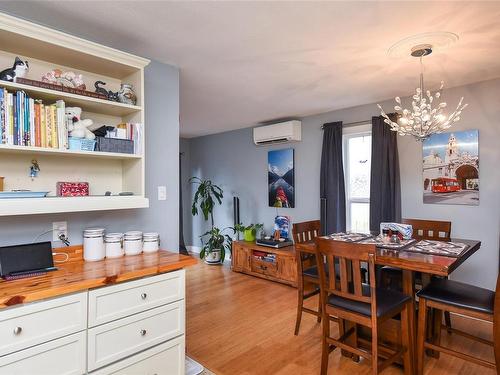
362, 130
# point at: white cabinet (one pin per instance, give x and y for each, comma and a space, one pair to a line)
122, 300
39, 322
163, 359
115, 326
64, 356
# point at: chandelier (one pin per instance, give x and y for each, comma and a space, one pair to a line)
426, 116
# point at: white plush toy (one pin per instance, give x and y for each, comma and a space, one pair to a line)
77, 127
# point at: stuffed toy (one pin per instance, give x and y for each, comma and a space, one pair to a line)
77, 127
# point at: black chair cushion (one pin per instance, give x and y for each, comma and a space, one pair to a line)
313, 271
387, 301
458, 294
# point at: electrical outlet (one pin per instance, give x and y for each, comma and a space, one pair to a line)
58, 228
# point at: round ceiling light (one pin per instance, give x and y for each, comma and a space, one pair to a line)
433, 41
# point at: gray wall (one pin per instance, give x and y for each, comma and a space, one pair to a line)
162, 168
233, 161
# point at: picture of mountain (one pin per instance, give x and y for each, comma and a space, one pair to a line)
281, 178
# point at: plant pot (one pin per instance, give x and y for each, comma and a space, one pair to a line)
213, 257
249, 235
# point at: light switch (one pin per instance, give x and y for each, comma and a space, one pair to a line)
162, 193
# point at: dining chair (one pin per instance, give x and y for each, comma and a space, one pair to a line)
349, 299
422, 230
464, 299
307, 270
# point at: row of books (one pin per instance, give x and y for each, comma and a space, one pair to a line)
25, 121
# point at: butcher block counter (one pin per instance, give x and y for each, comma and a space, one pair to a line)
115, 316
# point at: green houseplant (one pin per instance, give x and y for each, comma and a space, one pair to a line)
249, 231
216, 243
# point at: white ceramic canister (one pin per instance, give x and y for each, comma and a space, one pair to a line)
132, 243
151, 242
93, 244
114, 242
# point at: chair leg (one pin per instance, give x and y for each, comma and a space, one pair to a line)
422, 322
447, 320
320, 308
405, 340
325, 351
300, 303
437, 321
374, 350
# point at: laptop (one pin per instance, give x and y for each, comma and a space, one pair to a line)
20, 261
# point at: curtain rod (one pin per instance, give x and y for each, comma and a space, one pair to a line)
347, 124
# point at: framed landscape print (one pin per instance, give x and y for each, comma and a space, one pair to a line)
281, 178
451, 168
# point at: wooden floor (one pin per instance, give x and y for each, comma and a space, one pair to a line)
239, 324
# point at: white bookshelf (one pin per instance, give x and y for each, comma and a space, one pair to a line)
47, 49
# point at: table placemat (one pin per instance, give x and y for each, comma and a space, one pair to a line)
377, 241
349, 236
449, 249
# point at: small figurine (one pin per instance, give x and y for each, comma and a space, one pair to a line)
101, 90
19, 69
78, 128
126, 95
66, 79
34, 169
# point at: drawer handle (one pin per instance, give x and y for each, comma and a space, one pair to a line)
17, 330
144, 296
143, 332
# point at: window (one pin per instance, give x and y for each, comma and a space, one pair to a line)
357, 164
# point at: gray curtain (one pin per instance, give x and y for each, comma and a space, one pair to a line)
385, 188
332, 186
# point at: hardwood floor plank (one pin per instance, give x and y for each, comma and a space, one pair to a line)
242, 325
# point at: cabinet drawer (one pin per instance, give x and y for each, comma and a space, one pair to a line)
35, 323
266, 268
118, 301
116, 340
164, 359
62, 356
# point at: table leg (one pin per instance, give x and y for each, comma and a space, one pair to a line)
409, 289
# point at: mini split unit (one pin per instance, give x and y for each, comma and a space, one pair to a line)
283, 132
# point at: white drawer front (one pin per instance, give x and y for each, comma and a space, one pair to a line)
116, 340
64, 356
164, 359
118, 301
35, 323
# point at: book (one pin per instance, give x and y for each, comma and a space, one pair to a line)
38, 134
53, 122
48, 127
2, 118
43, 126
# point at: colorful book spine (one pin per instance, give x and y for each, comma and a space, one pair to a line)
48, 122
53, 121
11, 118
43, 127
3, 138
38, 140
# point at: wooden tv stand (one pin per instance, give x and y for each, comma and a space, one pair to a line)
245, 259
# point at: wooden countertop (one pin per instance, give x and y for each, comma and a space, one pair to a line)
77, 275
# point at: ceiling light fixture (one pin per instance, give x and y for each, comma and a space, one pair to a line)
425, 117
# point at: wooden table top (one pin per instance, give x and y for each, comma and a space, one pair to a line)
426, 263
77, 275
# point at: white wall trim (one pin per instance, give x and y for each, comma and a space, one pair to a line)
193, 249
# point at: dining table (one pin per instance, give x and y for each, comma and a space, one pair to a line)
411, 262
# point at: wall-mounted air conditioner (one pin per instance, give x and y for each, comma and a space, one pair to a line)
283, 132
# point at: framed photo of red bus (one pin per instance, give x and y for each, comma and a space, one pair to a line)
451, 168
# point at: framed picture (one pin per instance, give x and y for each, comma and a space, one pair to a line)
281, 178
451, 168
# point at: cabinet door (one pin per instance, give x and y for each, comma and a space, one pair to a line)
241, 259
287, 268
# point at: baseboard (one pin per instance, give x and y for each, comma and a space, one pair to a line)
197, 250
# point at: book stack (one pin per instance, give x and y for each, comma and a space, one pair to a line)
266, 257
25, 121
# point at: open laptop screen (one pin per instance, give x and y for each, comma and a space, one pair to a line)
23, 258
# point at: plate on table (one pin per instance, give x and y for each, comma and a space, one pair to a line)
22, 194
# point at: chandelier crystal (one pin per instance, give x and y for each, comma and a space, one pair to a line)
426, 116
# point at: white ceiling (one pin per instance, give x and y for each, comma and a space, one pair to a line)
243, 63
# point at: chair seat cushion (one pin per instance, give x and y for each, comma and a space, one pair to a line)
313, 271
458, 294
387, 301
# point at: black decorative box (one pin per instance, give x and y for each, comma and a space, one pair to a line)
123, 146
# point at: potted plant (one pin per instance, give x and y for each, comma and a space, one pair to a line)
216, 245
206, 197
249, 232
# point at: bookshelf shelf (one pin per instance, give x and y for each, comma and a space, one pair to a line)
46, 49
88, 104
56, 151
31, 206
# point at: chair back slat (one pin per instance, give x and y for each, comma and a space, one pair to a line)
306, 231
349, 257
430, 229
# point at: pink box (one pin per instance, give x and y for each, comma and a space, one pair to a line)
72, 189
